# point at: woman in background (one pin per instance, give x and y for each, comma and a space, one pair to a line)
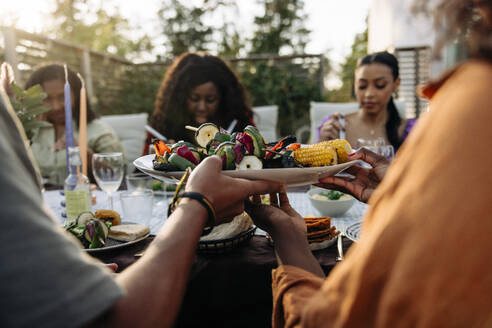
376, 79
199, 88
48, 144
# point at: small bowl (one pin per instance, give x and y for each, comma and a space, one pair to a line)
327, 207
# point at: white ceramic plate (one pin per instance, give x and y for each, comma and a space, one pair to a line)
290, 177
313, 246
353, 231
113, 244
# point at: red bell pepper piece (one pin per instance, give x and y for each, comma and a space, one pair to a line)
277, 146
294, 146
161, 147
186, 153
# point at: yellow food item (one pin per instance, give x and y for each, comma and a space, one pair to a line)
318, 154
342, 147
108, 215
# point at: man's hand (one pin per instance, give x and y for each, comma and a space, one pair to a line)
365, 180
227, 194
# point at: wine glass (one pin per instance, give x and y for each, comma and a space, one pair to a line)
377, 146
108, 170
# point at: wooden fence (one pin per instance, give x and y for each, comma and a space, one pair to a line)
102, 72
105, 74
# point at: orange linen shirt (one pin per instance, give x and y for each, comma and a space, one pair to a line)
425, 255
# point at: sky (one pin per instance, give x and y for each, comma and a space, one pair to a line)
333, 23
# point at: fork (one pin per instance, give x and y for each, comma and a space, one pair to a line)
339, 258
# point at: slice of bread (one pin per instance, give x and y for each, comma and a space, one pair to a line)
128, 232
240, 223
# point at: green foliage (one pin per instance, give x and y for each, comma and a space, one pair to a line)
183, 24
359, 49
281, 85
184, 28
108, 33
138, 91
281, 27
332, 194
231, 43
280, 30
28, 105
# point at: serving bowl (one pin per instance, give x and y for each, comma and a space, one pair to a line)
327, 207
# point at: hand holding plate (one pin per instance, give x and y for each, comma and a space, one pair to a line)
227, 194
365, 180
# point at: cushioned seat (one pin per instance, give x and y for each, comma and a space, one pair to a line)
266, 118
130, 129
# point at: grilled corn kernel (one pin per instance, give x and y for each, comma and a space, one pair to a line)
316, 155
342, 147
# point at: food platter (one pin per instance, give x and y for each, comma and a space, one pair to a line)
289, 176
114, 244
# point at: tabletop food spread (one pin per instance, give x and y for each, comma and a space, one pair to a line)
244, 154
247, 155
104, 230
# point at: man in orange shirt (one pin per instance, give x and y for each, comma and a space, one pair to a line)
423, 259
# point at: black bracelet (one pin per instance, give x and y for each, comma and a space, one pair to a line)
208, 206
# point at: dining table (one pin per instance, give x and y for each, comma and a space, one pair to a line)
231, 288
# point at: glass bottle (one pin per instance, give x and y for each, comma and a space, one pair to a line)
77, 187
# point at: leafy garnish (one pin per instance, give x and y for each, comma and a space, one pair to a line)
332, 194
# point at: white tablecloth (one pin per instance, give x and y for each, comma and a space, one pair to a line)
298, 200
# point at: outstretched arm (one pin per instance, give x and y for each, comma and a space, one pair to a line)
288, 231
155, 285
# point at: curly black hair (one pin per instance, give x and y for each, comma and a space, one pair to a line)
50, 72
187, 72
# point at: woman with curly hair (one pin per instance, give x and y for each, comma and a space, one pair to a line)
199, 88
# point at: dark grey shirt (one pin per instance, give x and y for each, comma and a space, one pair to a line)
46, 280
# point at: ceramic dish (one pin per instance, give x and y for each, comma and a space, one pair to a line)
113, 244
290, 177
353, 231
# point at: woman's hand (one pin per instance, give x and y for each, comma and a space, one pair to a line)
365, 180
331, 128
227, 194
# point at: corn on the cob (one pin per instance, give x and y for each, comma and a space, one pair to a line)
342, 147
316, 155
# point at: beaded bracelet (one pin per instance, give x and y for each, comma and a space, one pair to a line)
208, 206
